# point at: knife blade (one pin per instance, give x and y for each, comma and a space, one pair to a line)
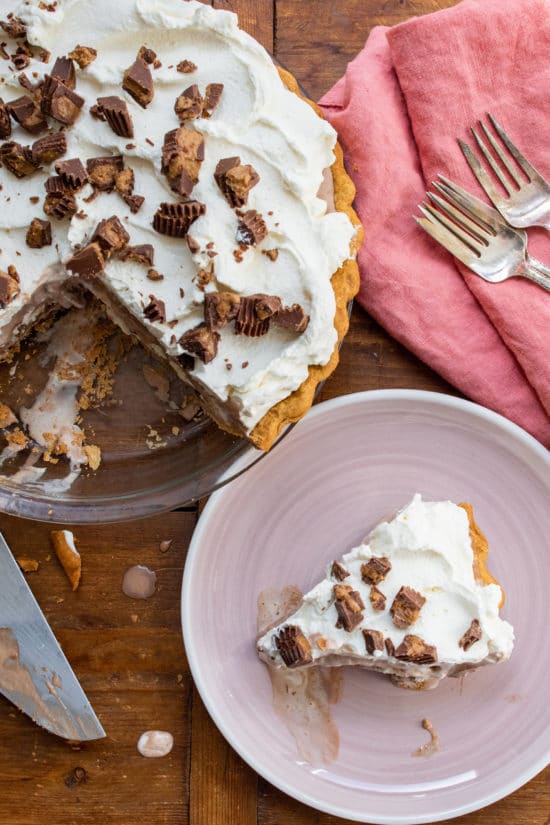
34, 673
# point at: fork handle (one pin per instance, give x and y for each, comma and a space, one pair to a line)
537, 272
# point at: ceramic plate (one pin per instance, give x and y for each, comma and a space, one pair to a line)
348, 464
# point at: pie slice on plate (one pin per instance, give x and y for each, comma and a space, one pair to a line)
414, 601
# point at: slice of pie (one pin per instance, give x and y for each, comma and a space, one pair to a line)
414, 601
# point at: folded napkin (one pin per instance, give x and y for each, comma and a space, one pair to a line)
398, 110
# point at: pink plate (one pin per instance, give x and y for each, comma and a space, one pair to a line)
350, 462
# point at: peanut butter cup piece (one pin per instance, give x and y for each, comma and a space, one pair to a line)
338, 571
62, 103
293, 318
9, 286
374, 640
406, 607
83, 56
28, 114
138, 82
117, 115
349, 607
414, 649
155, 310
188, 105
220, 308
60, 205
201, 341
5, 122
186, 67
124, 181
375, 570
251, 229
72, 172
141, 254
182, 156
17, 159
88, 262
63, 70
134, 202
174, 219
49, 148
212, 97
377, 598
254, 314
147, 54
39, 234
20, 59
235, 180
472, 635
294, 648
390, 647
14, 27
55, 183
104, 171
111, 236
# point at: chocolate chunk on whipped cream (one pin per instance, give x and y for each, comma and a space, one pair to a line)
235, 180
39, 234
471, 636
293, 646
251, 229
49, 148
174, 219
115, 111
138, 81
406, 606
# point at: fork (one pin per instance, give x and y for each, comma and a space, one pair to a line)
525, 204
476, 234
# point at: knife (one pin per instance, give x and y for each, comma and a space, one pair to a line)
34, 673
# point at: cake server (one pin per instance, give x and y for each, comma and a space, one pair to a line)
34, 673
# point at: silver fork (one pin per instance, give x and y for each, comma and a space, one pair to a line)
476, 234
527, 203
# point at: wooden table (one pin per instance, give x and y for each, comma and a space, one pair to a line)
129, 655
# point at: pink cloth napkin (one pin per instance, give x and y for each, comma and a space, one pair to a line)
399, 108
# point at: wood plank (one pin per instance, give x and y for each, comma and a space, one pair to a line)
129, 658
223, 788
255, 16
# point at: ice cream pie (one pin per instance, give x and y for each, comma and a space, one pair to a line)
414, 601
154, 157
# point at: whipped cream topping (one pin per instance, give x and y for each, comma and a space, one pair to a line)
258, 120
429, 547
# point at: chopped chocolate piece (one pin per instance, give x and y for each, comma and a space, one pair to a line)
87, 262
117, 114
235, 180
338, 571
111, 236
220, 308
194, 246
187, 362
374, 640
124, 183
20, 60
39, 234
188, 105
153, 275
390, 647
375, 570
73, 172
135, 202
62, 103
26, 83
174, 219
415, 649
349, 606
147, 54
186, 67
472, 635
14, 27
17, 159
406, 607
267, 306
155, 310
56, 183
138, 82
294, 648
201, 341
251, 228
9, 286
5, 122
293, 318
97, 112
377, 598
141, 254
60, 205
63, 70
212, 98
272, 254
254, 314
83, 55
49, 148
103, 172
27, 113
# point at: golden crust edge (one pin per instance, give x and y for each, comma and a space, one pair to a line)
480, 546
345, 283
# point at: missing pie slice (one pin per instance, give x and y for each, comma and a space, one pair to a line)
414, 601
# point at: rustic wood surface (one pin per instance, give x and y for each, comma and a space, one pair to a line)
129, 655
